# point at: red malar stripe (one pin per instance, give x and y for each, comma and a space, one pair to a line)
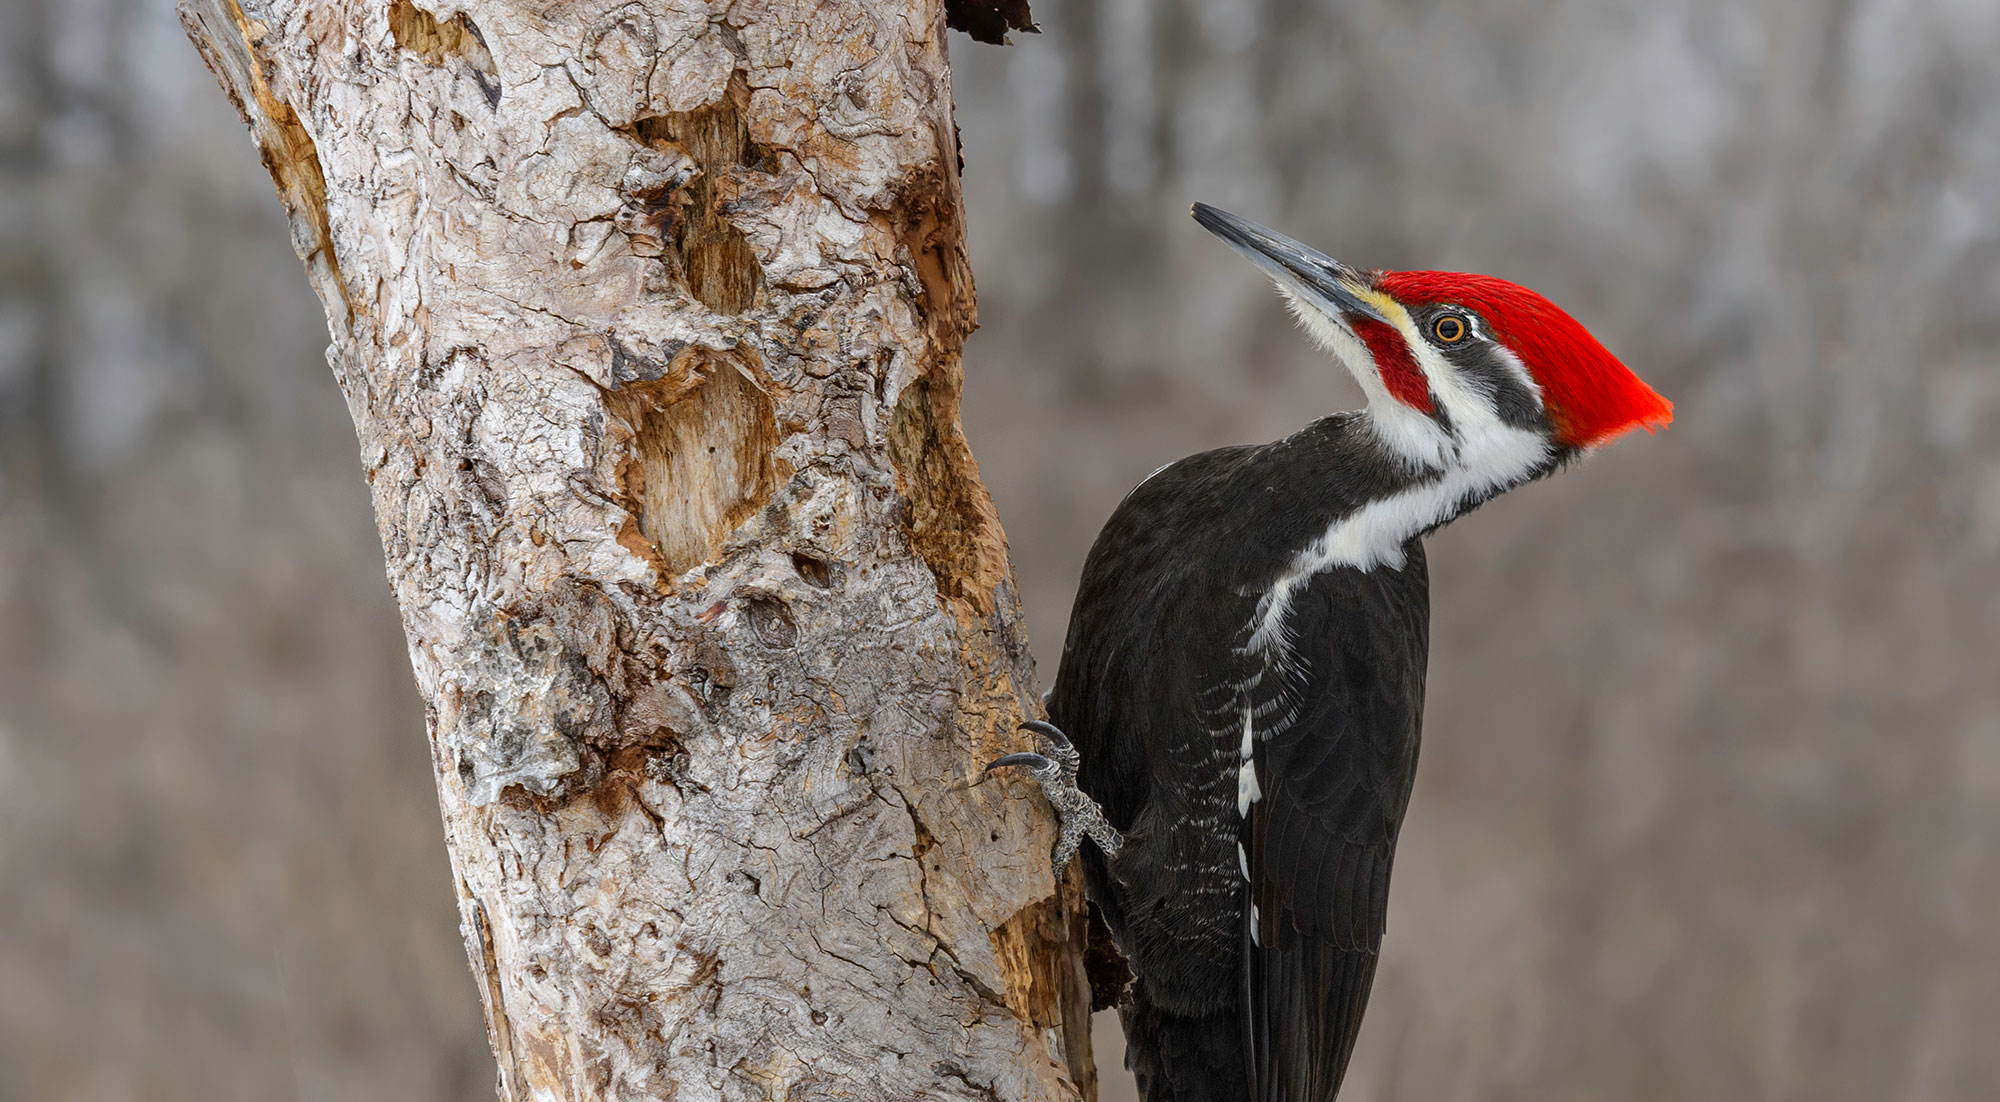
1400, 374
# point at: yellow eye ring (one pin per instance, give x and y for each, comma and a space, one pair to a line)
1450, 328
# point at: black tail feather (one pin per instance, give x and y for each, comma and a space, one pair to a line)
1300, 1016
1183, 1059
1309, 1001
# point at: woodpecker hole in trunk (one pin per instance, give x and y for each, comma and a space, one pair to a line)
709, 254
436, 42
701, 459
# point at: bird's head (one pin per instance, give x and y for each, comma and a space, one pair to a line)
1454, 365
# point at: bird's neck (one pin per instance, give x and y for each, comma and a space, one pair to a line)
1482, 458
1377, 499
1415, 492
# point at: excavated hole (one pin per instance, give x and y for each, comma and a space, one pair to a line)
438, 43
702, 460
816, 572
707, 252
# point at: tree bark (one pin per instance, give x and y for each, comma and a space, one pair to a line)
649, 317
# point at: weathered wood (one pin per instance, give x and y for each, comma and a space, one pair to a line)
649, 319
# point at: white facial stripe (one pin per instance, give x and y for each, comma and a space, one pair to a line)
1467, 402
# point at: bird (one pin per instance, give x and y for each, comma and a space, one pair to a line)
1235, 722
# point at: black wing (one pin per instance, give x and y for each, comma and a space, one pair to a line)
1153, 681
1154, 631
1334, 767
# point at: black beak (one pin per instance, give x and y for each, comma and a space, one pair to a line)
1291, 263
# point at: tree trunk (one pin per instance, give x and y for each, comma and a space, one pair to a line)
649, 316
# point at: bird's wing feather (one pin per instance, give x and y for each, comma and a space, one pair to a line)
1335, 779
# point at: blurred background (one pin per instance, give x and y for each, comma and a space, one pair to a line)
1710, 801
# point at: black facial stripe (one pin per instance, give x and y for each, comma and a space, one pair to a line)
1441, 415
1483, 364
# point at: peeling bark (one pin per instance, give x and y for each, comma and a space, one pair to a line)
649, 320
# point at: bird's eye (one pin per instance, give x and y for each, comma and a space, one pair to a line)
1449, 329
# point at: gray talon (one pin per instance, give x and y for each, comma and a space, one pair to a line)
1053, 733
1078, 814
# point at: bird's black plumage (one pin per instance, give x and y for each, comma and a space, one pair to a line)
1160, 669
1243, 683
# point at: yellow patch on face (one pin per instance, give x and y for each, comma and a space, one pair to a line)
1391, 310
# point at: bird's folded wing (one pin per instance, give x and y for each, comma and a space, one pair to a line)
1319, 843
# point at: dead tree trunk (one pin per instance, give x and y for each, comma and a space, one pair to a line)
649, 315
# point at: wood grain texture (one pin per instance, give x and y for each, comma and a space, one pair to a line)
649, 319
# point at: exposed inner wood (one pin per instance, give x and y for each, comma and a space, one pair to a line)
715, 261
953, 524
226, 38
437, 42
702, 460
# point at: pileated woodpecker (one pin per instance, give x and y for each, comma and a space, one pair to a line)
1236, 719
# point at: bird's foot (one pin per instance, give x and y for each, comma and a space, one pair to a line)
1078, 814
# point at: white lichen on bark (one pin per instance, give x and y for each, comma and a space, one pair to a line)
648, 316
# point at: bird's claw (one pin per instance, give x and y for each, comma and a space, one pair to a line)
1035, 764
1058, 741
1078, 814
